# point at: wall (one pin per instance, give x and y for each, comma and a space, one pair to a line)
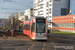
64, 22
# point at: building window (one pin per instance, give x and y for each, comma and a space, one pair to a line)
49, 23
41, 0
50, 16
46, 16
50, 8
49, 12
41, 14
63, 11
41, 11
46, 13
38, 1
50, 0
49, 20
41, 6
56, 0
50, 5
47, 4
47, 9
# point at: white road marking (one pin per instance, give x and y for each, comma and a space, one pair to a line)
2, 41
4, 38
54, 45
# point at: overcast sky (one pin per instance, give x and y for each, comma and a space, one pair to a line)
14, 6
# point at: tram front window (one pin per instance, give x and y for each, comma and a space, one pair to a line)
40, 26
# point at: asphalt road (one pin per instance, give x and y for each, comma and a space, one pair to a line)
54, 42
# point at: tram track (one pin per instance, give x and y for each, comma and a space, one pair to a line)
43, 45
5, 37
34, 44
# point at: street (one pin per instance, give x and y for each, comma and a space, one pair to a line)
25, 43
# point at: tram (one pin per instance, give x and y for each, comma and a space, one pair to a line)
35, 28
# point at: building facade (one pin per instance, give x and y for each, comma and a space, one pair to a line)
66, 23
28, 14
51, 8
72, 6
3, 23
22, 18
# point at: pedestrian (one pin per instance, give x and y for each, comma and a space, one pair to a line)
48, 32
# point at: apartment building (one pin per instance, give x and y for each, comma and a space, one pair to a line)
22, 18
3, 23
28, 13
51, 8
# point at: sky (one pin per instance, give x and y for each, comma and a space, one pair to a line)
8, 7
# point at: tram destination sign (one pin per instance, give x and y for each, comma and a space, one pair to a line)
40, 20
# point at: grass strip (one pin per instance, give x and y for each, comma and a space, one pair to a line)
64, 33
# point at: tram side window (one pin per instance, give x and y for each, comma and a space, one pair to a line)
33, 27
26, 27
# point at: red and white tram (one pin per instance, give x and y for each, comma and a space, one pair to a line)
35, 28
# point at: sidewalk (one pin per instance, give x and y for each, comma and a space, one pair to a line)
16, 38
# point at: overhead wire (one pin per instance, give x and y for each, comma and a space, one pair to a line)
11, 8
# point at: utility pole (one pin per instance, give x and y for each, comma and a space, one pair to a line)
11, 22
18, 18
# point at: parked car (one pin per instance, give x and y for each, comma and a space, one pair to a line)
14, 30
21, 30
18, 30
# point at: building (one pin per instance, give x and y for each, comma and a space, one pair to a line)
72, 7
17, 15
22, 18
51, 8
3, 23
64, 23
28, 13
